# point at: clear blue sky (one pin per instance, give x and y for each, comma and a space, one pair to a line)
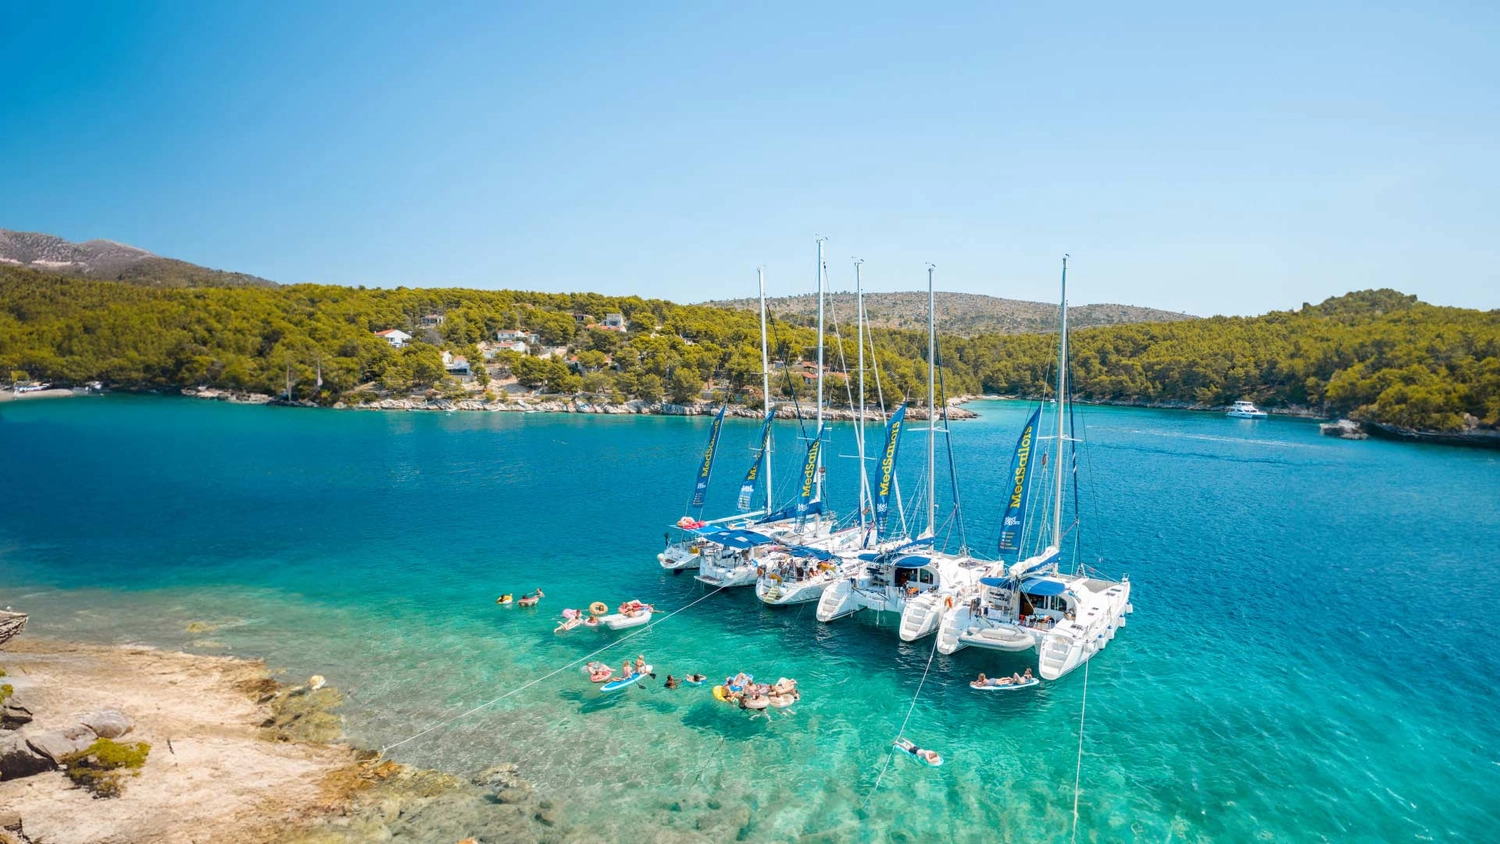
1211, 158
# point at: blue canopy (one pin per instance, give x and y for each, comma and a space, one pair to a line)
1042, 586
743, 539
996, 581
708, 530
912, 561
815, 553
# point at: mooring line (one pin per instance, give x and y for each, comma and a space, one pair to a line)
488, 704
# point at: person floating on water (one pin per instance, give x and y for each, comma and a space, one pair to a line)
931, 757
695, 678
672, 682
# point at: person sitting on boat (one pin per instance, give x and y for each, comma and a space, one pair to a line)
671, 682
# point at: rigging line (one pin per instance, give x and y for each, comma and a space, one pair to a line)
963, 533
1078, 771
786, 370
488, 704
904, 721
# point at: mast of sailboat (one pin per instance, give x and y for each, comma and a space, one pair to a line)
931, 410
765, 385
1062, 383
859, 430
819, 434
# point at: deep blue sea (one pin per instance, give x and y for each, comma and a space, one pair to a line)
1312, 657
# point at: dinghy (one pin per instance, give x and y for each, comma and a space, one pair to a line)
620, 621
616, 685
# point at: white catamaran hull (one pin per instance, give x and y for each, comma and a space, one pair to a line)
724, 577
1072, 643
962, 629
782, 593
681, 556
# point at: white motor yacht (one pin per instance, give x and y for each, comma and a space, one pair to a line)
1246, 410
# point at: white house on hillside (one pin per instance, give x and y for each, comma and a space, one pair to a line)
395, 336
508, 336
614, 322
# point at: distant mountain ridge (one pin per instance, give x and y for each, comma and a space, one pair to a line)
111, 261
963, 314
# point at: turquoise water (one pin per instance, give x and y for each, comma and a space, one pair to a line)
1311, 656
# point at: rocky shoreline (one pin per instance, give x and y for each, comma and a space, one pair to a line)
233, 755
541, 404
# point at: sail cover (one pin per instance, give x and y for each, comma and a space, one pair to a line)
1020, 472
747, 487
886, 477
706, 468
808, 485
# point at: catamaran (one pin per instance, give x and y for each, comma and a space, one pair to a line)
799, 574
1031, 604
906, 573
801, 524
699, 540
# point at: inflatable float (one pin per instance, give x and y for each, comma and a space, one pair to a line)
504, 600
616, 685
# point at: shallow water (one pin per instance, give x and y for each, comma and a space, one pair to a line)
1310, 658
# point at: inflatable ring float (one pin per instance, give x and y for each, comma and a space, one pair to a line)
598, 608
503, 599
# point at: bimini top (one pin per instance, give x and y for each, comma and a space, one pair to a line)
1043, 586
742, 539
911, 561
815, 553
708, 531
996, 581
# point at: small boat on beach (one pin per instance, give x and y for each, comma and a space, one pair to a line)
1246, 410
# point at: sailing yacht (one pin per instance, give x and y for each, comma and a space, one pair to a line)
799, 574
907, 573
1031, 604
723, 542
739, 559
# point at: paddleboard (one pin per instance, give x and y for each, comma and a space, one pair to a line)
616, 685
1007, 687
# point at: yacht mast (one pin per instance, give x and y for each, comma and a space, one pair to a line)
819, 480
859, 430
931, 409
1062, 382
765, 383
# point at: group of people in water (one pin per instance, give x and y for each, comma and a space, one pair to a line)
530, 599
1012, 680
600, 672
741, 690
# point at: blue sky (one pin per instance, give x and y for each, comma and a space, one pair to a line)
1210, 158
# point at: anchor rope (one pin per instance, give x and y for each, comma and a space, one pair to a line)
1078, 771
891, 754
548, 676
